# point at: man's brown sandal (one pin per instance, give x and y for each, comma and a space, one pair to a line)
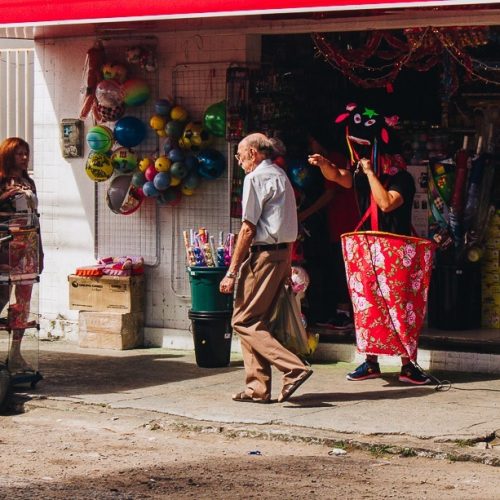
289, 389
243, 397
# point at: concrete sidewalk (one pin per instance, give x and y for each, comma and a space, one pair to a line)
328, 407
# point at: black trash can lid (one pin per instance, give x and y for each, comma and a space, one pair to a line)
209, 314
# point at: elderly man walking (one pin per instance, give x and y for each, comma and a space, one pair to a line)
262, 261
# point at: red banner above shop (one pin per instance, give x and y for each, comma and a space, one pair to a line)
39, 12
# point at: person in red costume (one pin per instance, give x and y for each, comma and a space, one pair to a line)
385, 190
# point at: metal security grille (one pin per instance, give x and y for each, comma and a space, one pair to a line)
136, 234
195, 87
16, 93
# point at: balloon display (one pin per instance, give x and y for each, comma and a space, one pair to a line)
161, 181
149, 189
171, 197
163, 107
178, 113
163, 164
211, 163
174, 129
214, 119
194, 137
130, 131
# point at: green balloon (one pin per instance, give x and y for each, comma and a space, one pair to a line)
215, 119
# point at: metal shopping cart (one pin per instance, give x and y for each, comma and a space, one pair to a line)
19, 277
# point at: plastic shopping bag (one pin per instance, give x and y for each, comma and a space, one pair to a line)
287, 326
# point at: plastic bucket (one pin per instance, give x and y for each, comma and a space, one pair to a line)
455, 297
205, 294
212, 334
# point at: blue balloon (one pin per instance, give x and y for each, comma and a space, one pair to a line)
170, 197
138, 179
192, 163
179, 169
129, 131
161, 181
176, 154
168, 146
192, 181
163, 107
149, 189
211, 163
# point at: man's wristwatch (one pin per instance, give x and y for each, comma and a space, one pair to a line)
229, 274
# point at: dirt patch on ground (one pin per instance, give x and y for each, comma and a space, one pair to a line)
69, 450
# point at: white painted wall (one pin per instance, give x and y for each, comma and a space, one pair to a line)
67, 195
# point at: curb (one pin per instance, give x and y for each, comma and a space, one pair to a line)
477, 451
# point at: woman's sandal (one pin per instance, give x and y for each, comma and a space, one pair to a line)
243, 397
289, 389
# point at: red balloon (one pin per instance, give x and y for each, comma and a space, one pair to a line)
150, 173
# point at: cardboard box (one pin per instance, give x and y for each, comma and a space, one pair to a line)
110, 330
106, 293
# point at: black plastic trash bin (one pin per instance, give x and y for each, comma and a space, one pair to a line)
455, 297
212, 334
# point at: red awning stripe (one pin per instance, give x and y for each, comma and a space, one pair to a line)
36, 12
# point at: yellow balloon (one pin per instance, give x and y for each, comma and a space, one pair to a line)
145, 163
184, 144
178, 113
163, 164
187, 191
157, 122
175, 181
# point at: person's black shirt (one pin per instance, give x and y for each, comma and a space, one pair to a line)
399, 220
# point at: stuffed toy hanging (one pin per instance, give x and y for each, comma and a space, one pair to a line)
92, 75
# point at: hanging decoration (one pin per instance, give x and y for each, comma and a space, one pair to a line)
114, 93
378, 63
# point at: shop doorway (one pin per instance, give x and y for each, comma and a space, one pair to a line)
438, 106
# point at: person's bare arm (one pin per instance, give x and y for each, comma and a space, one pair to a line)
330, 171
386, 200
243, 242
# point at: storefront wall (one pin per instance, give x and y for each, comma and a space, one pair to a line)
67, 195
192, 69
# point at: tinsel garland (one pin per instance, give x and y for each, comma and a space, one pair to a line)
419, 49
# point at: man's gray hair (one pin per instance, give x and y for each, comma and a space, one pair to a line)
259, 142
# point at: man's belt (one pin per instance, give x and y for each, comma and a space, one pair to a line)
267, 248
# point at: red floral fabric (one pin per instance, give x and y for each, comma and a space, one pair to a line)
388, 278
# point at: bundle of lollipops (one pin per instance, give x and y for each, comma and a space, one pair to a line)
114, 266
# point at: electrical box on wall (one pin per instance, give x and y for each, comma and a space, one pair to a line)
71, 138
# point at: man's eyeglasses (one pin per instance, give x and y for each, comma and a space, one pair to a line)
237, 156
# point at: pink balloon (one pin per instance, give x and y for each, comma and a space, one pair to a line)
150, 173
